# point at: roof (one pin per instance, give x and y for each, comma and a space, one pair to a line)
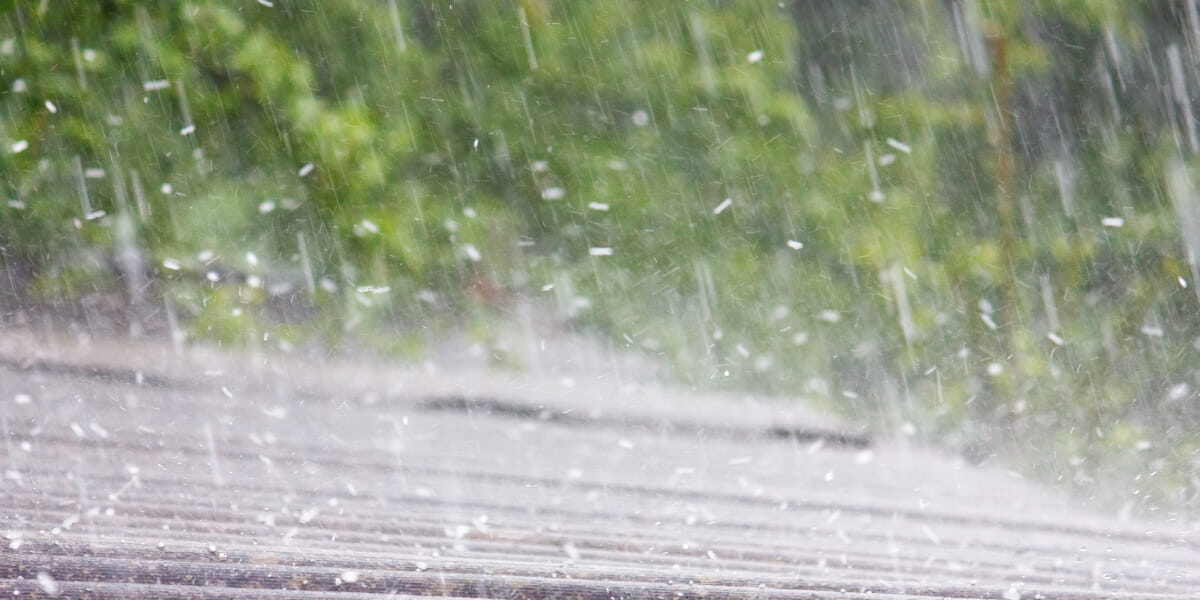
136, 472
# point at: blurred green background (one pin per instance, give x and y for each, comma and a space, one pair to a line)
973, 222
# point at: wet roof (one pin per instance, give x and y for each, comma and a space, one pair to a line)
136, 472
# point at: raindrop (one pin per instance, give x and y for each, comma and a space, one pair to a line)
876, 194
472, 252
397, 28
898, 145
49, 586
1152, 331
829, 316
527, 37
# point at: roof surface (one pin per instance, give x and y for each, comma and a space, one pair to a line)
136, 472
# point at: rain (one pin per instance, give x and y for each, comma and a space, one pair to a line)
616, 298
